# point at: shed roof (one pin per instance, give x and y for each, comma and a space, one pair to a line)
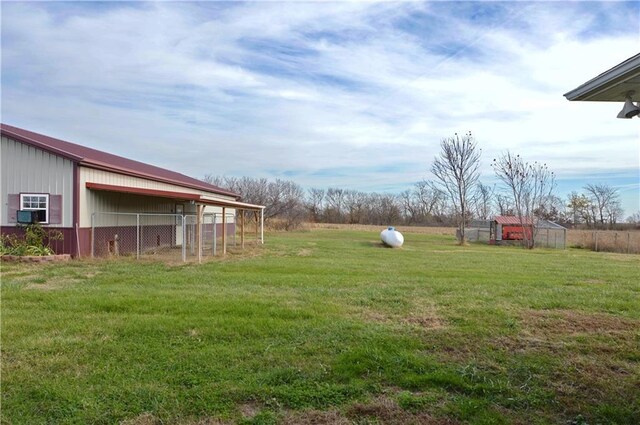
511, 219
546, 224
102, 160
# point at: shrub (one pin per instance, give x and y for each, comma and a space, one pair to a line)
35, 241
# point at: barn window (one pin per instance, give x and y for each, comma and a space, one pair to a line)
36, 202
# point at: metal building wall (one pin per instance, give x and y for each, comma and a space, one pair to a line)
28, 169
101, 201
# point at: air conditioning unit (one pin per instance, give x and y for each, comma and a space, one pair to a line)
30, 216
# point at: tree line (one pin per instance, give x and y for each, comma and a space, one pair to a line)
455, 196
423, 204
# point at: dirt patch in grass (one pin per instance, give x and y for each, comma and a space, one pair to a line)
569, 322
305, 252
143, 419
315, 417
387, 411
33, 278
381, 410
594, 281
249, 410
52, 284
202, 421
593, 355
554, 331
585, 379
424, 319
150, 419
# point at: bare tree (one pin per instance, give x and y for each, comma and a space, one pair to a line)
606, 203
334, 205
578, 208
615, 212
283, 199
389, 208
482, 200
430, 198
456, 172
551, 209
214, 180
354, 203
530, 186
315, 202
634, 218
410, 208
504, 204
421, 203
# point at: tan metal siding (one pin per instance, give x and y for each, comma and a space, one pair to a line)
101, 201
29, 169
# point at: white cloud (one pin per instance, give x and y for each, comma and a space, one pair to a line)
252, 88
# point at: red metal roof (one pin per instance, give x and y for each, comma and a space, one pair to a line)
102, 160
173, 195
511, 219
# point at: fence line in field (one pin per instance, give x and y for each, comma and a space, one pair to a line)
164, 236
606, 240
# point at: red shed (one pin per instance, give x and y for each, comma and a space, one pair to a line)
511, 228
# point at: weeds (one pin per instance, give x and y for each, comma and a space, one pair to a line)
35, 241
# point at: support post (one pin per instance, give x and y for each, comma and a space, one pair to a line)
224, 231
93, 235
262, 226
235, 226
242, 228
138, 236
184, 239
255, 216
215, 234
199, 232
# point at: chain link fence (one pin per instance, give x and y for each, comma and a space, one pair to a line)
547, 235
171, 237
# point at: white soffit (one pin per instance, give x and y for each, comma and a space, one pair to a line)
611, 85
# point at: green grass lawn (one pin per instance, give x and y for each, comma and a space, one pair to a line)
328, 327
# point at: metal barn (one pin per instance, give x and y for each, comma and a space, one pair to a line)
106, 204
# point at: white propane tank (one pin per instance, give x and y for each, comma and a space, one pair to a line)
390, 236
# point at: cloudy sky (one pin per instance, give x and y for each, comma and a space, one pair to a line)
355, 95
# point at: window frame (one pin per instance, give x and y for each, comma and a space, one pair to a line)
46, 208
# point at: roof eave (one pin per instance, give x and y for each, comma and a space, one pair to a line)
195, 197
29, 141
106, 167
593, 87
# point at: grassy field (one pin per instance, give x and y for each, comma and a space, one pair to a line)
327, 327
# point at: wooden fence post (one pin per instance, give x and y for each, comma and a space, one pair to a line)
628, 242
